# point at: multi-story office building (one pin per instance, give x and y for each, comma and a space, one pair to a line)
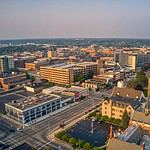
32, 109
66, 73
117, 56
6, 63
121, 100
132, 60
51, 53
136, 61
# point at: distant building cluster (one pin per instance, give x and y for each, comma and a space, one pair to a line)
36, 85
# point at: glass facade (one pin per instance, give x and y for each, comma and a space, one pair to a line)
30, 116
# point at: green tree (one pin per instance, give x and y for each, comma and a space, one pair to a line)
95, 148
125, 120
65, 137
139, 82
141, 78
73, 141
59, 135
87, 146
132, 84
81, 142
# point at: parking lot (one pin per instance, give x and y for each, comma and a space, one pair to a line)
82, 131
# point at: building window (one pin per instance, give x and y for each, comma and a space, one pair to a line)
105, 112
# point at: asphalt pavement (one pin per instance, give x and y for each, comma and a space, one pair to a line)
36, 134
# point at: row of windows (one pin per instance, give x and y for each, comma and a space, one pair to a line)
117, 110
41, 108
38, 110
39, 114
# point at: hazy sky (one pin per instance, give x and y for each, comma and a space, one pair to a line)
74, 18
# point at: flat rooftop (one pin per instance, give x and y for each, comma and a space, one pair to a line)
67, 66
55, 89
32, 101
75, 89
6, 75
86, 63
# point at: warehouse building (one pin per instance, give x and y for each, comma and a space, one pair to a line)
32, 109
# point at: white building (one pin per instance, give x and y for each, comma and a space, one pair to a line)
32, 109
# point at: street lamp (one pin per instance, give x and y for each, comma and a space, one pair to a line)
49, 124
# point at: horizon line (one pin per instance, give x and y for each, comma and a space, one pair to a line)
42, 38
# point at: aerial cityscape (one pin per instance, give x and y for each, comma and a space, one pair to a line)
75, 75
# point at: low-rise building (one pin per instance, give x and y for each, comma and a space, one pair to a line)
34, 87
53, 90
76, 91
110, 75
37, 64
13, 80
92, 84
79, 92
116, 144
142, 119
130, 139
32, 109
121, 100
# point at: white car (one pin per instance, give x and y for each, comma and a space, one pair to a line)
19, 129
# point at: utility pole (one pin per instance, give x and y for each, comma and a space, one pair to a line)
92, 122
92, 126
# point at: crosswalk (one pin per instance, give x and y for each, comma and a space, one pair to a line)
35, 135
35, 141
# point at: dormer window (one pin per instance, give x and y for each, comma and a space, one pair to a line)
127, 95
137, 97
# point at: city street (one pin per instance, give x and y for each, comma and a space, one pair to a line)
36, 135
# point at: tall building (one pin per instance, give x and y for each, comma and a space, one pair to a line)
117, 55
51, 53
6, 63
66, 73
134, 61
